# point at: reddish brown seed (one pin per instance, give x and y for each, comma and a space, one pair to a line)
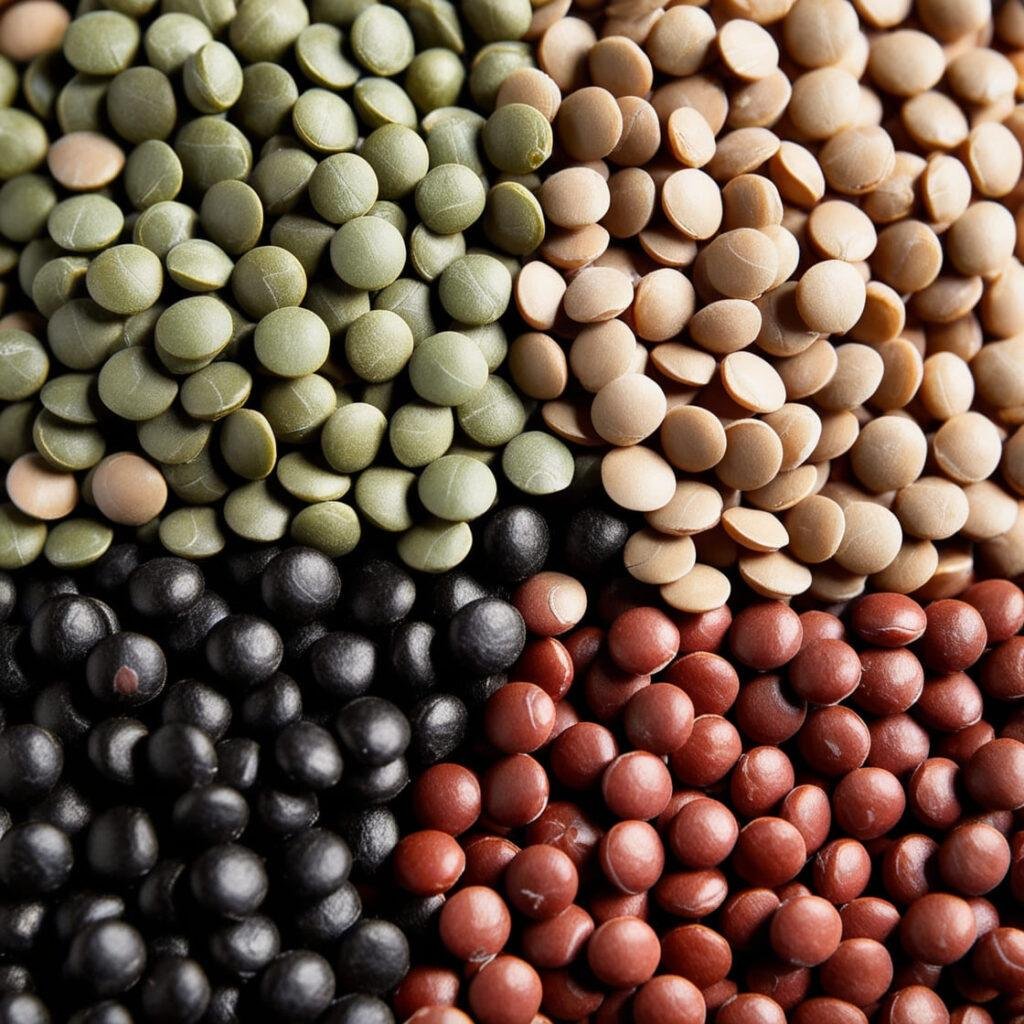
868, 802
697, 953
631, 856
994, 775
932, 793
607, 903
475, 924
826, 1010
834, 741
786, 984
767, 712
750, 1008
636, 785
519, 718
965, 742
842, 870
608, 689
551, 603
805, 931
487, 857
998, 959
659, 718
890, 682
568, 827
557, 941
703, 833
624, 952
566, 716
950, 702
858, 972
746, 916
914, 1004
708, 755
938, 928
869, 917
691, 894
515, 791
547, 663
505, 991
909, 867
541, 881
819, 625
807, 808
825, 672
955, 636
584, 645
769, 851
761, 778
888, 620
709, 680
767, 635
643, 640
704, 631
668, 998
898, 744
974, 858
580, 755
447, 797
567, 996
428, 862
1002, 672
425, 986
1000, 604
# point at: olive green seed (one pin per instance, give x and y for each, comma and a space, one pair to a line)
339, 12
399, 159
450, 198
379, 101
494, 20
216, 390
174, 438
382, 41
81, 104
411, 300
125, 279
132, 387
494, 415
9, 81
306, 238
384, 497
447, 369
457, 487
101, 42
517, 138
195, 328
82, 334
265, 29
435, 23
378, 345
34, 256
342, 187
296, 409
164, 225
267, 278
57, 282
392, 213
435, 546
318, 51
337, 304
211, 150
281, 178
435, 78
232, 215
212, 78
292, 342
192, 533
537, 463
420, 433
198, 265
453, 139
492, 65
85, 223
268, 94
141, 104
21, 538
368, 253
430, 253
329, 526
152, 174
16, 422
352, 436
309, 480
513, 219
67, 446
75, 543
24, 364
475, 289
25, 204
324, 121
248, 444
490, 339
73, 397
214, 14
255, 513
197, 482
172, 38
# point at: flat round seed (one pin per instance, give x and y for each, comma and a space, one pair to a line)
741, 264
914, 566
254, 513
754, 530
600, 353
21, 537
690, 137
539, 289
752, 382
824, 102
991, 511
838, 432
797, 174
945, 187
596, 294
692, 438
329, 526
651, 557
192, 533
538, 366
574, 197
967, 447
981, 240
799, 430
628, 409
760, 103
132, 387
931, 508
216, 390
128, 490
774, 575
683, 364
537, 463
457, 488
75, 543
753, 455
308, 480
889, 453
570, 249
39, 490
871, 538
906, 62
830, 297
841, 231
637, 478
589, 123
788, 488
383, 496
248, 444
702, 589
172, 438
748, 51
533, 87
435, 546
680, 41
619, 65
993, 158
857, 376
725, 325
815, 527
693, 508
692, 202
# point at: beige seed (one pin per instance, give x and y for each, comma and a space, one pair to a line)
1002, 303
901, 376
680, 41
755, 530
637, 478
947, 387
895, 196
539, 290
856, 378
573, 248
783, 331
741, 264
39, 490
692, 438
742, 151
980, 75
747, 50
832, 584
701, 92
797, 174
839, 230
981, 239
693, 507
908, 256
692, 202
945, 187
546, 16
589, 123
128, 490
830, 297
884, 316
641, 133
632, 198
953, 19
574, 198
601, 353
911, 569
761, 103
858, 159
789, 488
871, 538
1004, 555
934, 121
753, 455
953, 574
82, 161
31, 28
620, 66
775, 575
806, 373
532, 87
961, 337
839, 431
949, 297
702, 589
889, 453
996, 370
690, 137
815, 527
538, 366
824, 102
883, 13
596, 294
967, 447
993, 158
683, 364
819, 32
663, 304
727, 325
667, 246
651, 557
932, 508
752, 382
906, 62
990, 511
751, 201
628, 409
799, 430
571, 422
562, 52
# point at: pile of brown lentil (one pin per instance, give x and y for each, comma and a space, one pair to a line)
782, 283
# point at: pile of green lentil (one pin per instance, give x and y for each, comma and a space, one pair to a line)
254, 262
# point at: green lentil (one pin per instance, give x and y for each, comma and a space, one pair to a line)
212, 78
382, 41
57, 282
447, 369
537, 463
378, 345
132, 387
126, 279
163, 225
352, 436
172, 38
25, 204
337, 304
490, 339
73, 397
392, 213
514, 220
152, 174
9, 81
248, 445
450, 199
419, 433
192, 533
216, 390
339, 12
40, 82
141, 104
265, 29
214, 14
411, 300
85, 223
173, 437
67, 446
21, 538
398, 157
436, 23
80, 104
475, 289
101, 43
255, 513
232, 215
33, 257
329, 526
297, 409
198, 265
141, 328
82, 334
268, 94
310, 481
494, 415
381, 396
197, 482
211, 150
368, 253
342, 187
383, 496
318, 51
517, 138
380, 101
324, 121
16, 430
75, 543
492, 65
435, 546
435, 78
292, 342
267, 278
452, 139
24, 364
306, 238
493, 20
457, 487
193, 329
